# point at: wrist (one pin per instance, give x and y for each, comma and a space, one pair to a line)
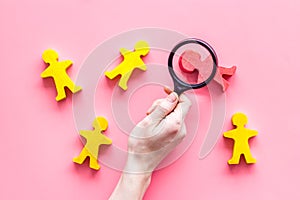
137, 183
136, 180
132, 186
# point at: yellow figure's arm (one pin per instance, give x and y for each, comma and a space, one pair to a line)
46, 73
253, 133
106, 140
66, 63
124, 51
228, 134
84, 133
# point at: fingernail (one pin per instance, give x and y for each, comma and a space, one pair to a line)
172, 97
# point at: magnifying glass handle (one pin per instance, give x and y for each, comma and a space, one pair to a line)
179, 89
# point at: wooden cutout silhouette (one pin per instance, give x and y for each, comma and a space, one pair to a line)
240, 135
190, 62
57, 70
94, 139
132, 60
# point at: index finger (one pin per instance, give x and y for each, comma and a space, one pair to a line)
183, 106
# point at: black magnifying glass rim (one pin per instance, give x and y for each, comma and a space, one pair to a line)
208, 48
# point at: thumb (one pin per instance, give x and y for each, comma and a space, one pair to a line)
166, 106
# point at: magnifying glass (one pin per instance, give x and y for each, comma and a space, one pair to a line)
192, 64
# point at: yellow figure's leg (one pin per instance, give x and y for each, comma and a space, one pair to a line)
94, 163
124, 79
113, 73
61, 94
248, 157
82, 156
77, 89
235, 158
73, 88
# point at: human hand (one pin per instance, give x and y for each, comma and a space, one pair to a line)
157, 134
150, 142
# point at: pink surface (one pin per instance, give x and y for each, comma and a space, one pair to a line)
39, 138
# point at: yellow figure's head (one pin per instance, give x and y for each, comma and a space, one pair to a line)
100, 123
50, 56
142, 47
239, 119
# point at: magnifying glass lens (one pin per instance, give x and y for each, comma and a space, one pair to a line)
193, 63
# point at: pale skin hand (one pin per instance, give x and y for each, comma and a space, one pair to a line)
150, 142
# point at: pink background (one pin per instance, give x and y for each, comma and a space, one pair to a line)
38, 135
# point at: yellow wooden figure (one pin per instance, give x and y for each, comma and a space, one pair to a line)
57, 70
240, 135
132, 60
94, 139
